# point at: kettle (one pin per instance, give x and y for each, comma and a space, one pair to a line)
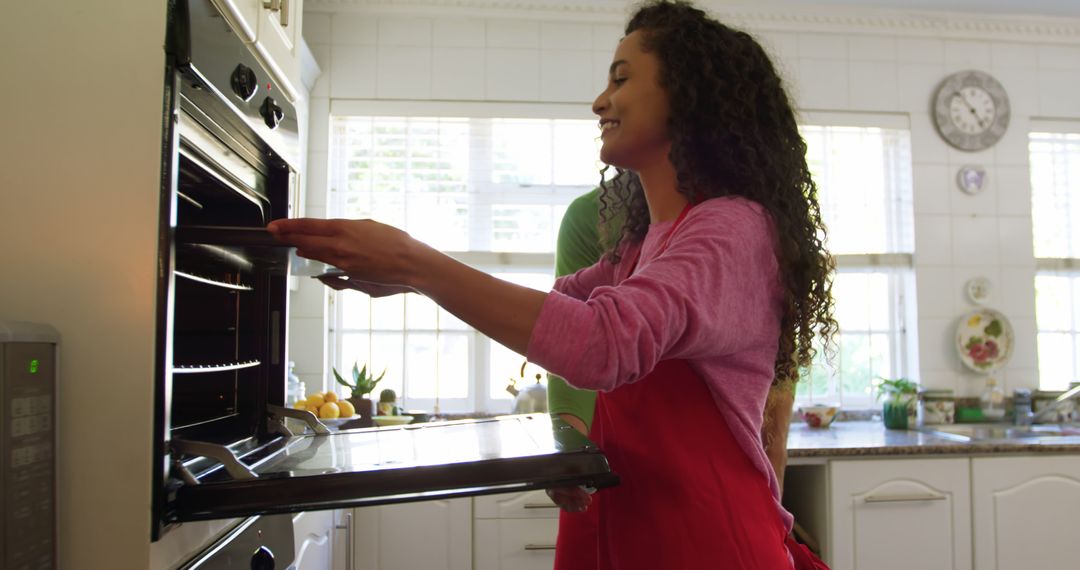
530, 399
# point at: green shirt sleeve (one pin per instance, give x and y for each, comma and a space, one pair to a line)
578, 246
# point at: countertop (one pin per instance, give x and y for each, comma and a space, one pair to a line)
867, 438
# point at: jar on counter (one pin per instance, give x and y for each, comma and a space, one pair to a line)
1066, 411
937, 407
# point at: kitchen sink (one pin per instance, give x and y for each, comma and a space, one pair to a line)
998, 432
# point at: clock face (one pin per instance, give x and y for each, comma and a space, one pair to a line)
971, 110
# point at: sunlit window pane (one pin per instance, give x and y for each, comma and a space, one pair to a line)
1055, 205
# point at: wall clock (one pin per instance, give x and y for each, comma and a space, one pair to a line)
971, 110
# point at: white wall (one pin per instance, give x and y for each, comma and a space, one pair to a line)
839, 63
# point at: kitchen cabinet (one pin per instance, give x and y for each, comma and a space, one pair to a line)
432, 535
314, 533
907, 513
515, 531
1023, 509
272, 28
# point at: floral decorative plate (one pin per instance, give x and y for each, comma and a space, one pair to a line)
984, 340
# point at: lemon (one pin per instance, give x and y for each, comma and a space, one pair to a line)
315, 401
329, 411
301, 405
330, 397
347, 409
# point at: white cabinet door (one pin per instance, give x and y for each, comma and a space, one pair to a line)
515, 544
1025, 510
313, 532
528, 505
243, 16
902, 514
429, 535
278, 35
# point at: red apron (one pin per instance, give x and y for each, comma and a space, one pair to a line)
689, 497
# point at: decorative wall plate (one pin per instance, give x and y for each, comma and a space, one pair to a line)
984, 340
978, 290
971, 178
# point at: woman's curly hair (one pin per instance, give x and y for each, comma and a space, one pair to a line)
734, 133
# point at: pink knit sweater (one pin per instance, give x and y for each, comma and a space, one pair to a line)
712, 297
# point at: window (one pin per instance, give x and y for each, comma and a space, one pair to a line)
863, 174
1055, 211
491, 191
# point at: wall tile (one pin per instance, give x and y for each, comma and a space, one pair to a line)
560, 35
780, 45
321, 52
931, 188
872, 86
317, 170
605, 37
317, 29
937, 379
974, 240
458, 33
823, 46
458, 73
872, 48
821, 84
309, 301
927, 146
957, 157
319, 134
1058, 91
1012, 149
933, 240
932, 286
1004, 54
1025, 352
1014, 191
404, 73
566, 76
352, 72
353, 29
1022, 86
405, 32
1059, 57
963, 204
920, 50
306, 344
967, 54
513, 34
512, 75
1015, 241
1014, 293
1014, 378
916, 84
936, 345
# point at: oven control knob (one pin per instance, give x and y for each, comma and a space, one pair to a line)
244, 83
271, 113
263, 559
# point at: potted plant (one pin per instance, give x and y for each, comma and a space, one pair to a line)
898, 410
362, 384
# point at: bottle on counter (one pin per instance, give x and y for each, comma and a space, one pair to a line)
294, 389
992, 401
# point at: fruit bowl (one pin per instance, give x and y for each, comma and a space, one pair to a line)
818, 415
384, 421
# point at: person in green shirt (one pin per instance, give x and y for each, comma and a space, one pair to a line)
580, 244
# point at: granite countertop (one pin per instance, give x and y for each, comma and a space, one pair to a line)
869, 438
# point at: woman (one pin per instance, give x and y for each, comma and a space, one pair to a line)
715, 288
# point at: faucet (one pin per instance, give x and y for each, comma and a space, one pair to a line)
1022, 405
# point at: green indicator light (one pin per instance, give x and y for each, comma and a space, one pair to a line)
34, 364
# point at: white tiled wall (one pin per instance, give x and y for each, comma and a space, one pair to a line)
958, 236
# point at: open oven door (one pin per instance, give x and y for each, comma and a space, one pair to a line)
378, 466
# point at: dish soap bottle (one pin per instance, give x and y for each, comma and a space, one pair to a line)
992, 400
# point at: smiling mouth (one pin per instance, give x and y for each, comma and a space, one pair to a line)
606, 126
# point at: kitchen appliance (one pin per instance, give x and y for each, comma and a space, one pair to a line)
28, 441
222, 449
258, 543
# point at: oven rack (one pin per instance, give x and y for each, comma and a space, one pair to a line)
213, 282
204, 369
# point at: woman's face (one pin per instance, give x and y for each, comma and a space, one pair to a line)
633, 110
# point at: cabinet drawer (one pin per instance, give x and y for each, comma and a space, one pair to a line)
528, 505
515, 544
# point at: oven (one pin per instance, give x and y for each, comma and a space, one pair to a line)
222, 448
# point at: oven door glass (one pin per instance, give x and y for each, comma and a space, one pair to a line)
392, 465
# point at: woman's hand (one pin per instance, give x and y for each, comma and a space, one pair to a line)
342, 282
570, 499
367, 251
